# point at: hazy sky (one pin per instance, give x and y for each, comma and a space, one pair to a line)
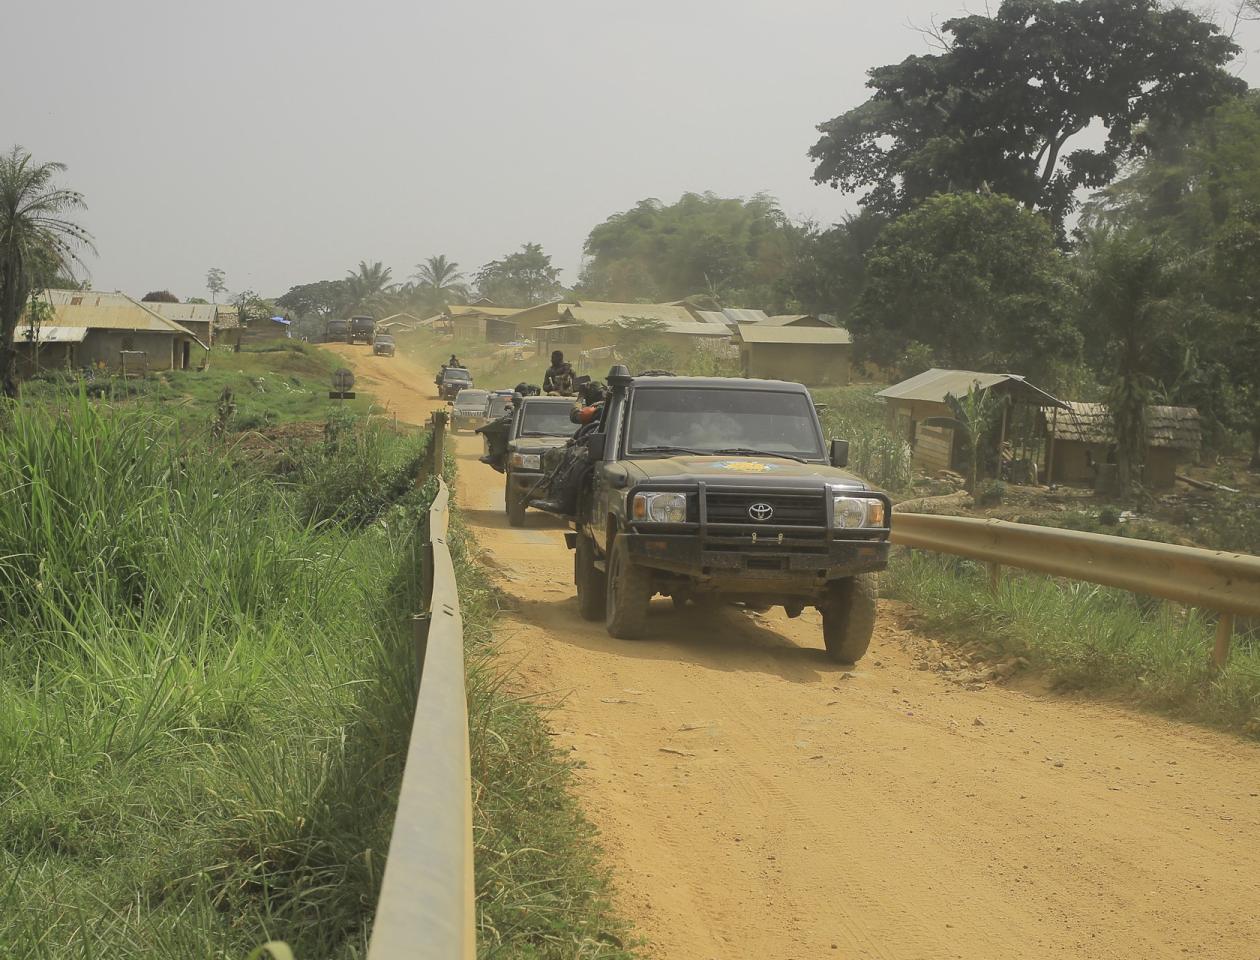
285, 141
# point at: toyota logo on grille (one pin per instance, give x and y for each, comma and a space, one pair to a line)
761, 512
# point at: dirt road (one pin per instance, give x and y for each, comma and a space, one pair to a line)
757, 801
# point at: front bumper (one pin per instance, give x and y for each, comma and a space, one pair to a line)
524, 481
804, 564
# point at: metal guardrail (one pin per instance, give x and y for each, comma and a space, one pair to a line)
426, 906
1227, 583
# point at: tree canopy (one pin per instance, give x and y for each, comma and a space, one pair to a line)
321, 299
1002, 101
438, 282
159, 296
977, 280
523, 278
733, 250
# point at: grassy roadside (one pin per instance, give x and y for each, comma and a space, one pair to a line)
271, 383
542, 891
205, 689
1088, 638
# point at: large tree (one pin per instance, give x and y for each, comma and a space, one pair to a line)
159, 296
35, 233
733, 250
1003, 100
319, 300
523, 278
975, 279
216, 283
438, 282
827, 270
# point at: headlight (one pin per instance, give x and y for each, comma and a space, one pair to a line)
849, 513
660, 507
527, 461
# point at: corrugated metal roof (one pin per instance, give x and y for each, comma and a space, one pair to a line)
92, 310
46, 333
713, 316
932, 386
466, 309
697, 329
794, 319
759, 333
182, 312
746, 316
599, 314
1178, 428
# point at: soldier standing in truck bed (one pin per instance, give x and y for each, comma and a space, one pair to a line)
558, 380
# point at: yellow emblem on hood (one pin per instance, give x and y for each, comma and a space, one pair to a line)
745, 466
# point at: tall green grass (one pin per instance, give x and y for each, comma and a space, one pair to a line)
1085, 637
855, 414
205, 695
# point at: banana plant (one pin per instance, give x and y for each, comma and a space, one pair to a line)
974, 417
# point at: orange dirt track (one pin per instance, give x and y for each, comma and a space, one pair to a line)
758, 801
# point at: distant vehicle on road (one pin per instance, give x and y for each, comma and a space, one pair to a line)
499, 404
362, 329
468, 411
383, 345
337, 331
451, 380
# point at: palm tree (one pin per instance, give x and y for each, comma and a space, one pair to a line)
368, 285
34, 234
438, 282
1130, 285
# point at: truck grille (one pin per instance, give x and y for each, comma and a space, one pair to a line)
790, 509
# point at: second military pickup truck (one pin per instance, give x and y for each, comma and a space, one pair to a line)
703, 489
540, 424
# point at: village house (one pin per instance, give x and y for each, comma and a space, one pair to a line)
197, 318
482, 322
1082, 438
87, 328
934, 447
815, 356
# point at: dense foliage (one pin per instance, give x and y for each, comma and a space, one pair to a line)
735, 251
1004, 99
977, 280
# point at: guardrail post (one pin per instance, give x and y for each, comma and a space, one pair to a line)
995, 575
1224, 634
437, 443
420, 638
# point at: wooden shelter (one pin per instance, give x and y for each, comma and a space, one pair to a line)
1083, 436
913, 402
809, 355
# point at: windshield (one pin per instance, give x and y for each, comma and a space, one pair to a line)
547, 420
709, 420
456, 373
470, 400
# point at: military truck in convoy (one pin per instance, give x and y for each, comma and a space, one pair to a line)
705, 489
337, 331
540, 424
362, 329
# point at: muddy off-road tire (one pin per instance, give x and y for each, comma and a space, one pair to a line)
515, 506
848, 616
629, 593
592, 588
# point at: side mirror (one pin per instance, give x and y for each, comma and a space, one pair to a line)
596, 444
839, 453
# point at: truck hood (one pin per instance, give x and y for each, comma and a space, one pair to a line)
724, 470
